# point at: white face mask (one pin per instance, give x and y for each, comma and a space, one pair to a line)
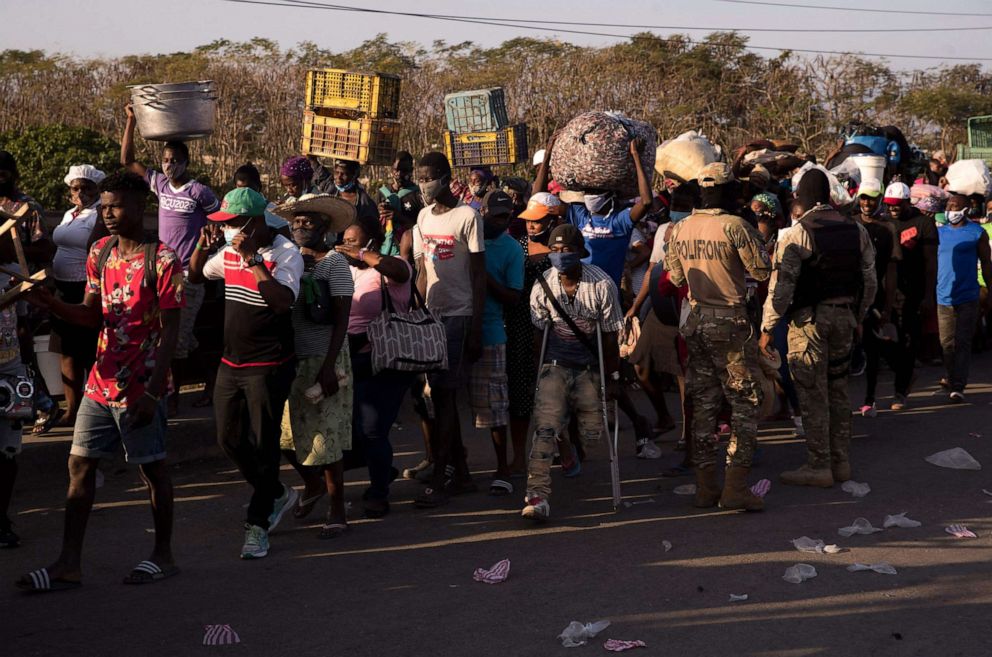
956, 216
229, 233
596, 203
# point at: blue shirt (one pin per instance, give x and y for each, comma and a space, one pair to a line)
607, 238
957, 263
505, 263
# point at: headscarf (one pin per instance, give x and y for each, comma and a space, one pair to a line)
813, 189
928, 198
770, 201
297, 167
485, 174
86, 172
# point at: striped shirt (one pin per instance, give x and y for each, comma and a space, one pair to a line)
312, 339
254, 336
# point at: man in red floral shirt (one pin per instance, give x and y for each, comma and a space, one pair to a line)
135, 293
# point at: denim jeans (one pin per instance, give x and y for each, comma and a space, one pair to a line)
957, 327
377, 403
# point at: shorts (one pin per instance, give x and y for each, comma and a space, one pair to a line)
489, 389
10, 440
99, 430
454, 377
187, 343
657, 350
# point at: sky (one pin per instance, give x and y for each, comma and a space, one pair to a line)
121, 27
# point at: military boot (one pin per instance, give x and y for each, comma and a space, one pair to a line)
736, 494
707, 490
808, 476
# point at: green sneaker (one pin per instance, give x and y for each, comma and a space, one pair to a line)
283, 503
256, 542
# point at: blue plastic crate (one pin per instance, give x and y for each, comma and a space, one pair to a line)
480, 110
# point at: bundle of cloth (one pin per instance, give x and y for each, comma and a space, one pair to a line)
681, 159
593, 152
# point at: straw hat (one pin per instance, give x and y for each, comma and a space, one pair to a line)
340, 213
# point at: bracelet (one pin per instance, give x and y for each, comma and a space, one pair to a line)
200, 247
152, 397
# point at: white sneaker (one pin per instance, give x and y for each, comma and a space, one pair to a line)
256, 542
537, 509
282, 504
797, 420
957, 397
647, 449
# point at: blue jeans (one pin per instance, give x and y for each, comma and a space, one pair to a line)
376, 404
781, 341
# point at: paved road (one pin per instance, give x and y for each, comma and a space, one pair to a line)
403, 585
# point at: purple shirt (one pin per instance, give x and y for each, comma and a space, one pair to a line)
182, 212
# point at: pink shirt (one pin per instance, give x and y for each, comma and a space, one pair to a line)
366, 305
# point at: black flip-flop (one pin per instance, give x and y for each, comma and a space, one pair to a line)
39, 581
500, 488
149, 572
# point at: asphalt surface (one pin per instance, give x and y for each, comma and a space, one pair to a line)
403, 585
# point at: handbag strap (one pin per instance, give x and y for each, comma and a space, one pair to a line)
416, 299
387, 299
579, 333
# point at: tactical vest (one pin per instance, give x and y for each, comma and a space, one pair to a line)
834, 269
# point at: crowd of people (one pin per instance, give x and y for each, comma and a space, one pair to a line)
751, 298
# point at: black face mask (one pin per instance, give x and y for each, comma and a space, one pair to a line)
7, 189
355, 262
542, 237
308, 238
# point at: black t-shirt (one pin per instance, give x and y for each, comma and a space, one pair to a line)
881, 237
915, 232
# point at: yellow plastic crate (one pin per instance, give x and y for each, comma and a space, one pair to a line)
505, 146
374, 95
366, 141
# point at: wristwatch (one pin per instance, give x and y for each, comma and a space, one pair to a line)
615, 376
256, 259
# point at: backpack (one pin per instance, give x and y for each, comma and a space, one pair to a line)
151, 251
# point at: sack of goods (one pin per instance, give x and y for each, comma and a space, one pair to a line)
684, 157
593, 152
969, 177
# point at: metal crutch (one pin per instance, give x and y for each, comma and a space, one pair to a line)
612, 440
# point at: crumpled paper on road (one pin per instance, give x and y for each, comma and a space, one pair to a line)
954, 458
883, 568
807, 544
860, 526
900, 520
856, 489
799, 573
578, 634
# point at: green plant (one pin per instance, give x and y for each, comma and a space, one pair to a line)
45, 153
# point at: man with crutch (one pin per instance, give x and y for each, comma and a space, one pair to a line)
577, 312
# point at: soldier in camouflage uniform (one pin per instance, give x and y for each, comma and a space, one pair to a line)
712, 250
824, 281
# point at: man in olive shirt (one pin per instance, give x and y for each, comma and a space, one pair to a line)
712, 250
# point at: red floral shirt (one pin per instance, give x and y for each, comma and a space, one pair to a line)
128, 344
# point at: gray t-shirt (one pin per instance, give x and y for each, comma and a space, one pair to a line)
442, 244
313, 339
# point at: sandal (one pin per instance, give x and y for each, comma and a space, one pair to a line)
500, 488
460, 486
148, 572
430, 499
305, 506
332, 530
39, 581
43, 426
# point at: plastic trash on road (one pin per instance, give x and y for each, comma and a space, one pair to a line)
807, 544
954, 458
577, 634
616, 645
883, 568
685, 489
900, 520
220, 635
761, 488
498, 573
734, 597
667, 545
799, 573
860, 526
960, 531
627, 505
856, 489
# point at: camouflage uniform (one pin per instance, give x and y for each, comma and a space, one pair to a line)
712, 251
820, 341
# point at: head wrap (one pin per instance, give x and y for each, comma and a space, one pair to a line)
485, 174
86, 172
928, 198
813, 189
770, 201
297, 167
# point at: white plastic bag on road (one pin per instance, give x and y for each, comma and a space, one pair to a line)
807, 544
883, 568
685, 489
577, 634
856, 489
860, 526
900, 520
954, 458
799, 573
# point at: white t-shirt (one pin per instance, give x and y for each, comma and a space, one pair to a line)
442, 244
637, 273
71, 237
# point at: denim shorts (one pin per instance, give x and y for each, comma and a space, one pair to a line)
100, 429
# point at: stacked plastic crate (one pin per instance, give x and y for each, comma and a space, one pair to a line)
478, 133
351, 115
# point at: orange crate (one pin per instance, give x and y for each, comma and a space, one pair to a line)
366, 141
376, 95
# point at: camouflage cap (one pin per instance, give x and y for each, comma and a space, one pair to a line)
715, 173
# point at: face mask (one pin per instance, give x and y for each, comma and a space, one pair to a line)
542, 237
595, 203
345, 188
956, 216
229, 233
475, 189
564, 261
677, 215
308, 238
431, 190
173, 171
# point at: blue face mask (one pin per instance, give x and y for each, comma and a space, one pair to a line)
677, 215
345, 188
564, 261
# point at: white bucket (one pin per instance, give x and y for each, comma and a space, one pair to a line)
872, 167
49, 365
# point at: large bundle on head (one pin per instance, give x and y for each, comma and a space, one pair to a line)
969, 177
593, 152
682, 158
